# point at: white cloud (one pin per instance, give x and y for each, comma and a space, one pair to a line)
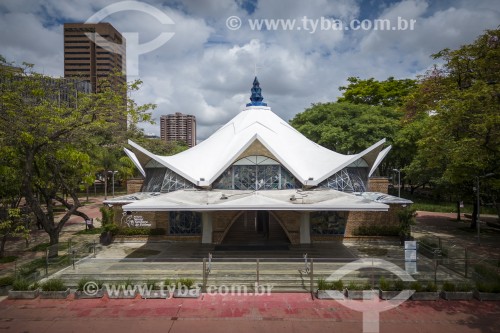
207, 69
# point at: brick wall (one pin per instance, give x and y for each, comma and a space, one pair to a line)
134, 185
290, 221
221, 222
378, 184
257, 148
357, 219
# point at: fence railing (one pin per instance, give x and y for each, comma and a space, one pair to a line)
283, 274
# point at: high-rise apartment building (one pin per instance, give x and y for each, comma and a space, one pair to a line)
178, 127
96, 53
93, 59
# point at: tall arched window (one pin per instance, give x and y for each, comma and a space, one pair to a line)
256, 173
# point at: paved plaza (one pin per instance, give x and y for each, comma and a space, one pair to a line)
278, 312
296, 312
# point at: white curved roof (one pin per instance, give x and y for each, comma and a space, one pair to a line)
309, 162
196, 200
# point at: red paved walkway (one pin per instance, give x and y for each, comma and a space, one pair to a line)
275, 313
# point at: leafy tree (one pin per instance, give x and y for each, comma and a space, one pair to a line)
348, 128
51, 140
461, 131
390, 92
13, 222
160, 147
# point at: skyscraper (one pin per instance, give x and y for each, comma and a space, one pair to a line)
178, 127
96, 58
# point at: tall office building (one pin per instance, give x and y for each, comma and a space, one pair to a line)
94, 59
178, 127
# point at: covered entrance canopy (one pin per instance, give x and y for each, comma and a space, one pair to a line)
229, 200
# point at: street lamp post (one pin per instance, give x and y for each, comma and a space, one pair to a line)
113, 181
478, 217
399, 181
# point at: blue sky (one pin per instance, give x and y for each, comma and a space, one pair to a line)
206, 69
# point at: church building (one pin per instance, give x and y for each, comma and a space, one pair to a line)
258, 181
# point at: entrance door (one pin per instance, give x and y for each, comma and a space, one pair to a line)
256, 228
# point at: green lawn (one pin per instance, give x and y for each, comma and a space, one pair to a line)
430, 205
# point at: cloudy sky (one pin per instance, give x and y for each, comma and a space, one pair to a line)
207, 67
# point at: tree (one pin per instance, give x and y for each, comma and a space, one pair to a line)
461, 133
13, 222
160, 147
52, 139
390, 92
348, 128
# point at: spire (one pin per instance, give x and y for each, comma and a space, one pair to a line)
256, 97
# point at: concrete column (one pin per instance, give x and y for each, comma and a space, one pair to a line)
206, 227
305, 228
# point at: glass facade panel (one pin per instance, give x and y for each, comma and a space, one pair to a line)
256, 173
164, 180
347, 180
154, 179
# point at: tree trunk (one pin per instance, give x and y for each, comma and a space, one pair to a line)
54, 243
458, 211
2, 245
473, 224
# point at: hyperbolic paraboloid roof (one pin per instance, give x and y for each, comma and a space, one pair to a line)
309, 162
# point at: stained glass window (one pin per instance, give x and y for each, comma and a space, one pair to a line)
328, 223
161, 179
256, 173
350, 179
185, 223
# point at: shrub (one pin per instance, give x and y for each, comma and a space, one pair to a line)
6, 280
430, 287
399, 285
463, 286
152, 285
449, 286
185, 282
53, 285
111, 227
358, 286
20, 285
383, 284
141, 231
417, 286
107, 216
168, 282
127, 283
6, 259
323, 284
488, 287
376, 230
487, 272
338, 285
